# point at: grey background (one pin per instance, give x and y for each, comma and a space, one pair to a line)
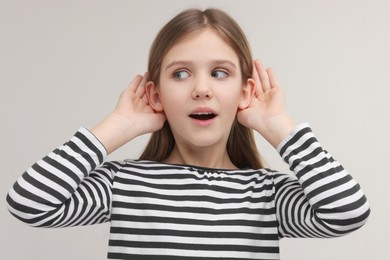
64, 63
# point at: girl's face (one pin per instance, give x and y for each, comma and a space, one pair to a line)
201, 88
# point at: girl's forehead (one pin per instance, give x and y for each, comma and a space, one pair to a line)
202, 45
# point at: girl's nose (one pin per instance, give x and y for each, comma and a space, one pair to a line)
202, 90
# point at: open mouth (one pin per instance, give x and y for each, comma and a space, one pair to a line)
203, 116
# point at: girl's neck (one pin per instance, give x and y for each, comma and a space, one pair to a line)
203, 157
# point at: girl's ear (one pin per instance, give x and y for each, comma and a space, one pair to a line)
153, 96
247, 93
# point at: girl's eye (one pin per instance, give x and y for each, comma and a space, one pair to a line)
219, 74
182, 74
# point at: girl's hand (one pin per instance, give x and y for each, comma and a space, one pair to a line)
266, 113
133, 107
132, 117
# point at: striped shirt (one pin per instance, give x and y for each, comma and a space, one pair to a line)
165, 211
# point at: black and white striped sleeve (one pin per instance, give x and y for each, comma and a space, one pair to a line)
65, 188
322, 199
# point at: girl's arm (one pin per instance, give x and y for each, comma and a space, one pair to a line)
68, 186
322, 199
325, 200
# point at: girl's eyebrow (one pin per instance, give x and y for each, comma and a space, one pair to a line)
178, 63
224, 62
189, 63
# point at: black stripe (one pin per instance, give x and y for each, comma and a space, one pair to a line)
294, 139
287, 222
197, 198
297, 150
350, 221
337, 196
83, 154
153, 165
321, 175
186, 186
66, 212
188, 209
27, 194
22, 208
196, 234
296, 225
257, 176
103, 186
43, 186
97, 188
311, 167
287, 225
112, 255
90, 145
86, 208
62, 168
262, 198
348, 207
80, 207
328, 186
72, 160
306, 158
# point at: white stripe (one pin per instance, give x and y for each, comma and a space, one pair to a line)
66, 219
87, 150
291, 135
348, 228
242, 176
298, 144
77, 157
24, 215
63, 176
331, 192
196, 192
196, 204
344, 215
191, 215
38, 192
91, 137
47, 182
219, 180
328, 179
345, 201
307, 151
29, 203
313, 172
67, 164
194, 240
194, 253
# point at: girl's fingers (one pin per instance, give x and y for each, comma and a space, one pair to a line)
256, 78
263, 75
140, 91
274, 82
130, 90
134, 83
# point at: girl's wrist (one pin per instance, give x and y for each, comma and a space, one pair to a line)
276, 129
115, 131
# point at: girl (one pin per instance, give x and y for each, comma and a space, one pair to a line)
199, 190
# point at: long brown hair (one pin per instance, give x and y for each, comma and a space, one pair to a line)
241, 146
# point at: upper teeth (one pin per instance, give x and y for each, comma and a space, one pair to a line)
203, 113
